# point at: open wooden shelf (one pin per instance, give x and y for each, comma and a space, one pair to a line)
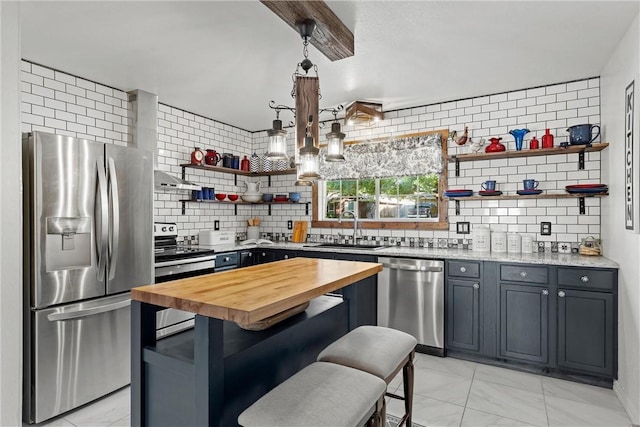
237, 171
532, 196
510, 154
579, 196
241, 202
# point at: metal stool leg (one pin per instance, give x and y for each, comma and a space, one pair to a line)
407, 381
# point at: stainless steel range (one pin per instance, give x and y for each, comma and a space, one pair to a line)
173, 261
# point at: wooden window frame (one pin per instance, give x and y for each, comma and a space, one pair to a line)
443, 203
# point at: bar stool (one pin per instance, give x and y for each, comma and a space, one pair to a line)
321, 395
381, 352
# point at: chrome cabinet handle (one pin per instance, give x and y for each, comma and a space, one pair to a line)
476, 286
115, 206
545, 292
463, 269
561, 294
264, 254
102, 233
523, 274
585, 279
286, 257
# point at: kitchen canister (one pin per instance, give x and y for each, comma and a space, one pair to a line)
514, 243
254, 163
267, 163
481, 238
253, 232
527, 244
498, 242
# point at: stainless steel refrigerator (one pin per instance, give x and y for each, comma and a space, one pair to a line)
88, 239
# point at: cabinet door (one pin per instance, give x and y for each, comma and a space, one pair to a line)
585, 331
463, 314
262, 255
524, 322
283, 254
247, 258
366, 289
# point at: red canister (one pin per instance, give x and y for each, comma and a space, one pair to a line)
533, 144
547, 140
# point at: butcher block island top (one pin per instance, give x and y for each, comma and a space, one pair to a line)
251, 294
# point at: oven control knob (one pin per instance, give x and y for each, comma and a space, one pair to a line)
164, 228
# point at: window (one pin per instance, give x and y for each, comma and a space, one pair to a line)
409, 202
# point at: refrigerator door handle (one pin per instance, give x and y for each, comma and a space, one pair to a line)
56, 317
115, 212
102, 234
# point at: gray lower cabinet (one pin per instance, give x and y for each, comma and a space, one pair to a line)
463, 314
524, 322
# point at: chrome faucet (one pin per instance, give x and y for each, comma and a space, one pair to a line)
355, 225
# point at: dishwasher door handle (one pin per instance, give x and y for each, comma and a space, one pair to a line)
410, 268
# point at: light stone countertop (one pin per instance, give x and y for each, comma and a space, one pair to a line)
573, 260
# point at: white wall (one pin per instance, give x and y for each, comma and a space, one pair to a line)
10, 218
622, 68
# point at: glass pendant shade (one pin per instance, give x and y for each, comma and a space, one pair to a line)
335, 144
277, 148
309, 161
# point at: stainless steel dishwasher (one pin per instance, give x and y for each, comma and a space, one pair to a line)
411, 299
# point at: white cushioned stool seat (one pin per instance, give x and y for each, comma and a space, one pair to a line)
320, 395
373, 349
381, 352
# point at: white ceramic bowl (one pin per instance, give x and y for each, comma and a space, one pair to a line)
251, 197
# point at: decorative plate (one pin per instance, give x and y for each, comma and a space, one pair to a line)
466, 193
587, 190
528, 192
582, 186
490, 193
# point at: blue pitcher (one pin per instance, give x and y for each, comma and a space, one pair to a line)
519, 134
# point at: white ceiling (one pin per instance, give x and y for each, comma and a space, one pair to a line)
226, 59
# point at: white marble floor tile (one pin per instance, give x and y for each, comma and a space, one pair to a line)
123, 422
103, 412
508, 377
437, 385
555, 388
429, 412
59, 422
448, 365
508, 402
564, 412
473, 418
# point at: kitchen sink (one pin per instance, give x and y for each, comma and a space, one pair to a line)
347, 246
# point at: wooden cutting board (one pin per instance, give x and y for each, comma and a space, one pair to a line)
299, 232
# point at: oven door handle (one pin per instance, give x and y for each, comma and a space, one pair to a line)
185, 261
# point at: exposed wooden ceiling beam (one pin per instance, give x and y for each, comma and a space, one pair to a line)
331, 36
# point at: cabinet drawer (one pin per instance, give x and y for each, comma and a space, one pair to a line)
586, 278
464, 269
524, 273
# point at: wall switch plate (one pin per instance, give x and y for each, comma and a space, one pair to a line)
545, 228
289, 225
216, 225
564, 247
462, 227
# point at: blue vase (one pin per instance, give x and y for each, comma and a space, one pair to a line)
519, 134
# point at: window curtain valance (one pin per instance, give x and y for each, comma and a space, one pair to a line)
419, 155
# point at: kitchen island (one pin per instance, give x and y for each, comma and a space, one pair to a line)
208, 375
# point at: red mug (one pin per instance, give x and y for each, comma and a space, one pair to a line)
211, 158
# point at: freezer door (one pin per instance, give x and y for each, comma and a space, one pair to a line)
79, 353
130, 178
65, 206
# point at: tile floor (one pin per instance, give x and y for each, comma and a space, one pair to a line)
449, 392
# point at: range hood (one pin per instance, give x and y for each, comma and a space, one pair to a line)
164, 181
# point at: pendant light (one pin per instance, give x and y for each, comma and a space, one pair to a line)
335, 142
309, 160
277, 147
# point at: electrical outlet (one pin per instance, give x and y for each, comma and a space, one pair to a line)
564, 247
462, 227
216, 225
545, 228
289, 225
